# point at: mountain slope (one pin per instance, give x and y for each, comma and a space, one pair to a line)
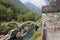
14, 3
32, 7
18, 3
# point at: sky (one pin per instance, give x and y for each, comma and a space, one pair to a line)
38, 3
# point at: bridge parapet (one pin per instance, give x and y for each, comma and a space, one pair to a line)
21, 23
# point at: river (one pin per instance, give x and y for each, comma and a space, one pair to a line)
28, 36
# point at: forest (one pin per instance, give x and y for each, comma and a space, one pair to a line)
10, 11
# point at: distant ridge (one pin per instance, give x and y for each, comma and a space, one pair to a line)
32, 7
18, 3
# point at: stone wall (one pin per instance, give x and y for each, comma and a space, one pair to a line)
52, 22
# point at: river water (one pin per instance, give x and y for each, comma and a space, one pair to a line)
28, 36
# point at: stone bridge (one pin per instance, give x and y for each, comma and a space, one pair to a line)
22, 23
6, 37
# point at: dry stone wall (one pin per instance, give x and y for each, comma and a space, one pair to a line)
52, 23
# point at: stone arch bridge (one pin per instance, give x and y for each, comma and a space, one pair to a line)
6, 37
22, 23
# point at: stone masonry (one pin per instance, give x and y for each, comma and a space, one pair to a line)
52, 22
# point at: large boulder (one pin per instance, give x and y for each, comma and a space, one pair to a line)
22, 32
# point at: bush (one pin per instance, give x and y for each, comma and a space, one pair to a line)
3, 29
12, 26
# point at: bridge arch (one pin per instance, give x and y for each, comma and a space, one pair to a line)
31, 22
21, 24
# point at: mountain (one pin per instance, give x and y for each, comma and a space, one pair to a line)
32, 7
17, 3
27, 6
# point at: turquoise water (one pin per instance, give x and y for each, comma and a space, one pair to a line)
28, 36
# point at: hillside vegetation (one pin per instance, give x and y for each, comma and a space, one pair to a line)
11, 11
